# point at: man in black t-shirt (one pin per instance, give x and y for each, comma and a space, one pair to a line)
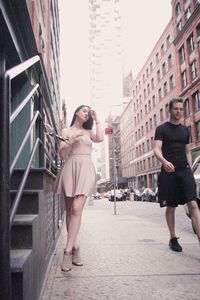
176, 184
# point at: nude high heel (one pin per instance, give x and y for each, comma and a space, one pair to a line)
76, 258
67, 261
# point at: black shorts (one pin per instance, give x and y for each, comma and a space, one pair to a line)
176, 188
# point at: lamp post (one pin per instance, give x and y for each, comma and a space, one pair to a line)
110, 131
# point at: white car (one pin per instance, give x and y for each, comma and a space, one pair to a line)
120, 196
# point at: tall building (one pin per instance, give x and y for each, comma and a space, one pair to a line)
152, 89
186, 23
172, 69
105, 53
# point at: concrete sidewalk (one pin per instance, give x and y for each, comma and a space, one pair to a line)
126, 257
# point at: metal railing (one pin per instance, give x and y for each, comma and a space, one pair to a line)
6, 167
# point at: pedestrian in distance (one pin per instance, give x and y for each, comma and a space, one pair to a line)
176, 184
77, 179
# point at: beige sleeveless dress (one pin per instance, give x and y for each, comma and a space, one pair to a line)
77, 176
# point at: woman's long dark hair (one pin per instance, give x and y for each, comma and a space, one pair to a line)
88, 124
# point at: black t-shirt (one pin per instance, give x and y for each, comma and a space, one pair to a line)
174, 139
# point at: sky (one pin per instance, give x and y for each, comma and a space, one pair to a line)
143, 22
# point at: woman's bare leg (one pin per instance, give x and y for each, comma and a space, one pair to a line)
74, 221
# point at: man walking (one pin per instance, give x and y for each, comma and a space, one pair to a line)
176, 184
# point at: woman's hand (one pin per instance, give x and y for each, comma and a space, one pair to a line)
72, 138
93, 114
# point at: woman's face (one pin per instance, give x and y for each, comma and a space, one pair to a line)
83, 113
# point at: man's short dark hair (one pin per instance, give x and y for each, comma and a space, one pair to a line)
174, 100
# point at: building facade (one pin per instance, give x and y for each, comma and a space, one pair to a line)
29, 97
186, 24
171, 69
155, 84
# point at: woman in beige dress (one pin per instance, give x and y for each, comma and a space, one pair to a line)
77, 179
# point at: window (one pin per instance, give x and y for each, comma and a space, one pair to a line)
186, 108
178, 9
157, 57
147, 127
151, 123
168, 41
162, 49
179, 26
165, 88
143, 76
158, 75
172, 82
181, 54
142, 131
198, 130
151, 66
147, 73
145, 93
154, 101
196, 101
190, 44
188, 13
193, 70
154, 120
169, 61
152, 83
161, 115
184, 79
148, 89
164, 68
141, 114
166, 110
145, 109
149, 105
159, 94
198, 35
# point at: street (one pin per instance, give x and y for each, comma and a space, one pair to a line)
126, 256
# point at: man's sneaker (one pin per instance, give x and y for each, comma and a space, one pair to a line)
174, 245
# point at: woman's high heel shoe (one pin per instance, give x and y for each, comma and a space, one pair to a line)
76, 258
67, 261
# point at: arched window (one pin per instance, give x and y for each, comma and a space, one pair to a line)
178, 9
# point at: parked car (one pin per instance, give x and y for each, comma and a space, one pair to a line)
148, 195
137, 195
196, 172
97, 196
120, 196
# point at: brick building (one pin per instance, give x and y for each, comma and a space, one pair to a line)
186, 23
172, 68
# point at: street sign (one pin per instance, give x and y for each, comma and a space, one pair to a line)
108, 130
